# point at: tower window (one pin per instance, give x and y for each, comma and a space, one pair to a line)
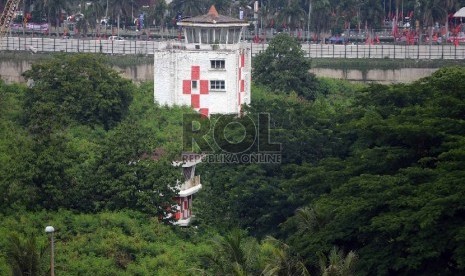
217, 64
194, 84
217, 85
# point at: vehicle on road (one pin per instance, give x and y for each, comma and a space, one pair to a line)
114, 37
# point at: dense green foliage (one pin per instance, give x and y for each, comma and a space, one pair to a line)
59, 153
283, 67
370, 182
121, 243
75, 87
378, 172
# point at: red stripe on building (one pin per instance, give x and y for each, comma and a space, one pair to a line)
195, 72
204, 87
186, 86
242, 85
195, 101
242, 60
204, 112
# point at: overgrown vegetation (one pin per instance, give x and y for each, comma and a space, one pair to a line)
283, 67
370, 183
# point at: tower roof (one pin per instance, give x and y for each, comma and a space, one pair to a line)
212, 17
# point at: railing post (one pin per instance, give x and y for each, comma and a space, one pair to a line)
442, 50
418, 50
405, 51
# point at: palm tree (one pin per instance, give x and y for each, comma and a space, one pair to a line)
372, 12
280, 261
321, 9
188, 7
232, 254
435, 11
310, 219
337, 264
292, 15
24, 255
54, 9
93, 13
118, 8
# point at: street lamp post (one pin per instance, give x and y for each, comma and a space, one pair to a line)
50, 230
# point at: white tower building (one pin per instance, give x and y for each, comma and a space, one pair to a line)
210, 70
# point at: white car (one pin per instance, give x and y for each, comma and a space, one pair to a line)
114, 37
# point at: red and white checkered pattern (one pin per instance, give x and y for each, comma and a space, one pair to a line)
198, 96
241, 81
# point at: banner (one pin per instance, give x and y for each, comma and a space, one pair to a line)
30, 27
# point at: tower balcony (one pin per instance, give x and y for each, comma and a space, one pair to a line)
189, 187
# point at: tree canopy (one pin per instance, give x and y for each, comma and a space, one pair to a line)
76, 87
283, 67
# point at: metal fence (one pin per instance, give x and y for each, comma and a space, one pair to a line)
382, 51
148, 47
123, 47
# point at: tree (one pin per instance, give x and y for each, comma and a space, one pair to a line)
279, 259
54, 9
80, 88
119, 8
233, 254
25, 255
338, 264
68, 90
157, 13
188, 7
128, 176
283, 67
394, 197
292, 15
